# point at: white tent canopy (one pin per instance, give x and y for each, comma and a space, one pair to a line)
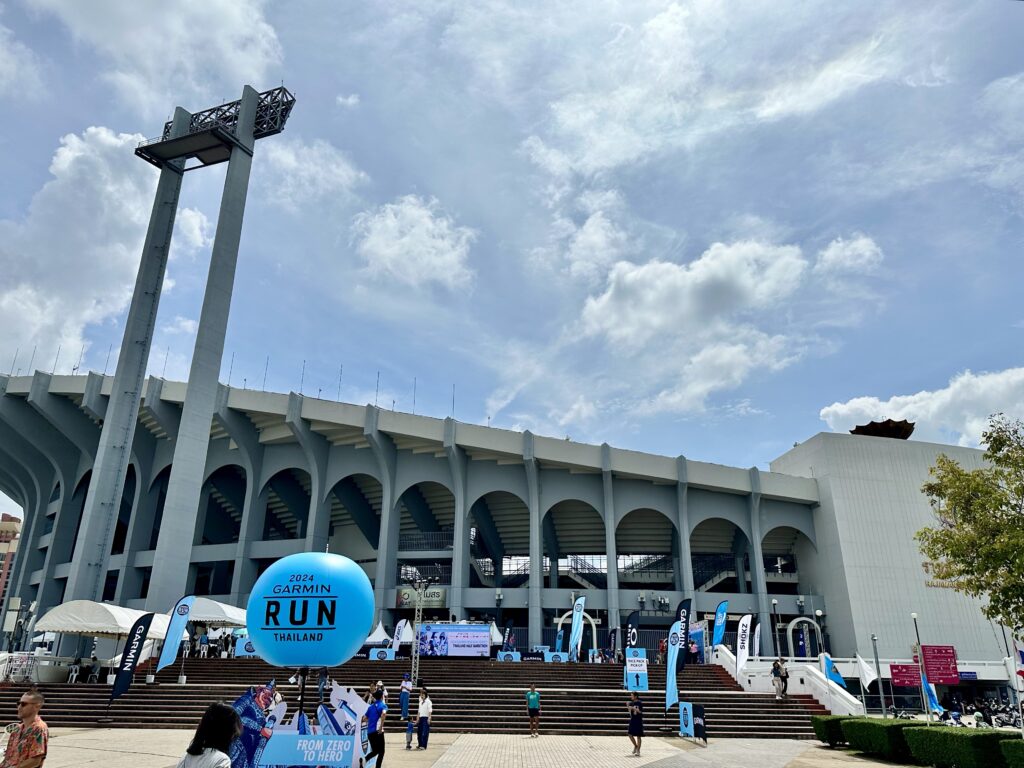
85, 617
214, 614
497, 638
407, 634
378, 636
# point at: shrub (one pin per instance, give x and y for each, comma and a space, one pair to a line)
880, 737
946, 747
1013, 751
829, 728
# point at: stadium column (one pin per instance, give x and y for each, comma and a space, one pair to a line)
88, 566
316, 450
387, 544
536, 617
611, 554
169, 579
460, 549
242, 431
683, 527
757, 562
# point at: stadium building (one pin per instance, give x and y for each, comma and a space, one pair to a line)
502, 525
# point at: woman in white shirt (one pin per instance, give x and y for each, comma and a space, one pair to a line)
210, 746
423, 713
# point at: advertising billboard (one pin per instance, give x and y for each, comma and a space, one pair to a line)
455, 640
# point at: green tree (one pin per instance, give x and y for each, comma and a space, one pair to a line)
978, 543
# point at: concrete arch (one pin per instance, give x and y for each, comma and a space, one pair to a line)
355, 515
221, 505
284, 504
344, 461
418, 468
480, 484
427, 506
705, 505
558, 485
636, 494
779, 514
277, 458
797, 534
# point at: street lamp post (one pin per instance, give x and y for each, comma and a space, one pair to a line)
878, 669
920, 670
498, 597
820, 616
775, 627
420, 585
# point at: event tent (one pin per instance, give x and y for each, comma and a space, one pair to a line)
497, 638
378, 636
214, 614
86, 617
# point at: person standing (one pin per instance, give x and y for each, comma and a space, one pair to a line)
405, 691
784, 677
26, 747
635, 707
211, 744
533, 710
321, 684
777, 680
423, 713
375, 715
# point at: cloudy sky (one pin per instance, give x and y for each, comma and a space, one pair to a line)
687, 228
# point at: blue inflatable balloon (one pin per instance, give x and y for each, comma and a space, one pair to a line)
312, 609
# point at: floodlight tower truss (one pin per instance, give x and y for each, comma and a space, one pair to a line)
212, 133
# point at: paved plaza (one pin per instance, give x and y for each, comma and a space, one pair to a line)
128, 748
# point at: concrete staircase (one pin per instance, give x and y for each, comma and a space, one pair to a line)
470, 696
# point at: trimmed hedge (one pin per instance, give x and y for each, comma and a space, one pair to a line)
829, 728
945, 747
883, 738
1013, 751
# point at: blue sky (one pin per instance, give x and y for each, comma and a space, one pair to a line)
684, 228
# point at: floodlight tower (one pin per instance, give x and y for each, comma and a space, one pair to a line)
225, 133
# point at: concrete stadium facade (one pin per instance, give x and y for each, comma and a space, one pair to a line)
505, 522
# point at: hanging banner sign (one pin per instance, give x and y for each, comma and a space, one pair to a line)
311, 609
175, 628
558, 639
131, 654
382, 654
399, 630
576, 633
940, 664
683, 614
633, 630
905, 675
721, 612
509, 656
555, 657
675, 639
433, 597
743, 643
508, 640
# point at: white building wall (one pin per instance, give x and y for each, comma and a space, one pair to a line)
869, 566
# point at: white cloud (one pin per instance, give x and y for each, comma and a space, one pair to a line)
190, 52
413, 241
642, 301
858, 255
818, 84
1002, 102
957, 412
181, 325
349, 101
71, 260
193, 229
594, 247
19, 67
297, 173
